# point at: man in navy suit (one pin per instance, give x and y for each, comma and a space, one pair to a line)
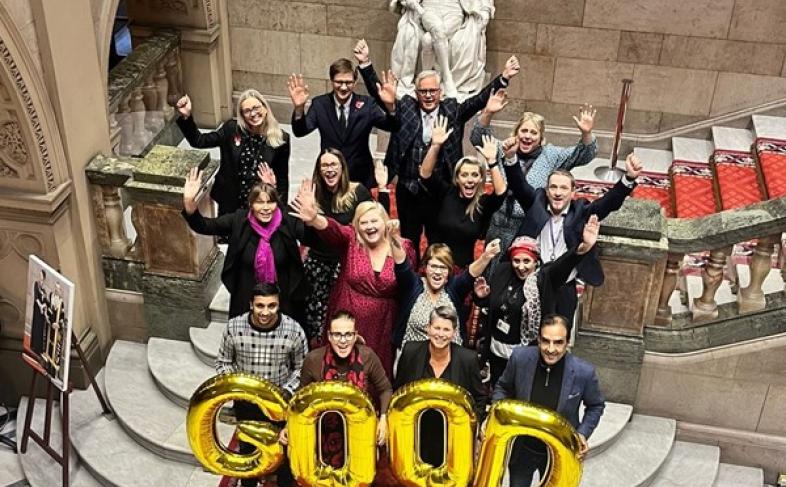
557, 221
344, 118
547, 375
416, 118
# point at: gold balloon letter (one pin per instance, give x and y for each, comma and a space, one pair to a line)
305, 409
201, 422
406, 406
510, 418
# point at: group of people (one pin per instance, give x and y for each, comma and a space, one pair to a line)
365, 289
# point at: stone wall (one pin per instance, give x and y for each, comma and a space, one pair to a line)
689, 60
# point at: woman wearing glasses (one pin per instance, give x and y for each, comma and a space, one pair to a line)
337, 198
419, 296
252, 139
346, 360
367, 284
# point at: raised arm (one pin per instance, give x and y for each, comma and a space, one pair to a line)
367, 72
302, 123
615, 197
517, 183
204, 226
478, 266
559, 270
190, 131
439, 135
489, 151
469, 107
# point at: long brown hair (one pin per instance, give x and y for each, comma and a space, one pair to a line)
344, 197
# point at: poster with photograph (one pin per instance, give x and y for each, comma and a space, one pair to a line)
48, 316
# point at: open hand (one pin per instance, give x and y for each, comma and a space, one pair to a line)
586, 119
512, 68
590, 234
497, 101
482, 289
298, 90
440, 132
387, 88
304, 204
265, 174
380, 174
489, 149
382, 431
361, 51
191, 189
633, 166
183, 106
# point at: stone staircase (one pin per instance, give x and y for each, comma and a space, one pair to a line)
145, 442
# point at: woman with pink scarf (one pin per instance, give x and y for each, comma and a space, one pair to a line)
262, 247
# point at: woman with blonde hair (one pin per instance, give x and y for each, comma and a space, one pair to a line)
463, 209
253, 139
366, 285
337, 198
537, 158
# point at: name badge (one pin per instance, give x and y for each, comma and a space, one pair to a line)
503, 326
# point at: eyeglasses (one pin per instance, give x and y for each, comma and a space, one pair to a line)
338, 336
437, 267
426, 92
255, 110
343, 83
329, 165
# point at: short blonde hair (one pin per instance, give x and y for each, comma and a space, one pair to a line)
364, 208
537, 119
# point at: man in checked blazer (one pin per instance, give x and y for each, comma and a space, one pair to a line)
416, 117
344, 118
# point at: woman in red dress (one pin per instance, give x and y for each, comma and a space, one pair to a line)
367, 284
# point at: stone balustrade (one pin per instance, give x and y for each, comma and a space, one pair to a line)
142, 89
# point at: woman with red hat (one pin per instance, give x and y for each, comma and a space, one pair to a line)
523, 293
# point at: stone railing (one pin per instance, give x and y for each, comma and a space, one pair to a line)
141, 92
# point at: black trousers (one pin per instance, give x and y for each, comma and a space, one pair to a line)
245, 410
524, 461
413, 215
567, 301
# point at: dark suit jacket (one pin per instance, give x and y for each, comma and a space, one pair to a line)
579, 383
227, 183
238, 279
464, 371
535, 205
364, 115
410, 124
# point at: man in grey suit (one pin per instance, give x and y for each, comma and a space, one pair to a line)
549, 376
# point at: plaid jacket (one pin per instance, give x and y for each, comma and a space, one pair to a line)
410, 125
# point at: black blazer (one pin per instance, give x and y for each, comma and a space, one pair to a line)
364, 115
410, 124
464, 370
238, 279
227, 183
535, 205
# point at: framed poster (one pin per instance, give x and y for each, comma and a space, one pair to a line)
48, 321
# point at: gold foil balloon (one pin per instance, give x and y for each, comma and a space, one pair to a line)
201, 425
406, 406
305, 409
510, 418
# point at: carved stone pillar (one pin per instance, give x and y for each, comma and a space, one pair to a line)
670, 277
126, 126
139, 137
705, 307
113, 213
154, 120
162, 88
751, 298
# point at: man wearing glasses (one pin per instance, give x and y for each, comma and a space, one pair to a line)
416, 118
344, 118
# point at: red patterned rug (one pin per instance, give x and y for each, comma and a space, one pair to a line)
737, 183
693, 192
655, 186
772, 161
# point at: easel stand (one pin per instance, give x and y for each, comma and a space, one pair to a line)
44, 442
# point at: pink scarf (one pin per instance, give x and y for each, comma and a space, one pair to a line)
264, 262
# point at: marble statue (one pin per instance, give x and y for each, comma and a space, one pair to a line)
448, 35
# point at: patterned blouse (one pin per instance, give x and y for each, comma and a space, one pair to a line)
417, 324
250, 156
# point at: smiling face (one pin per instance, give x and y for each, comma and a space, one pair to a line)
330, 170
559, 192
440, 332
254, 113
342, 336
436, 274
263, 207
553, 342
264, 310
343, 84
469, 178
529, 136
523, 265
428, 91
371, 227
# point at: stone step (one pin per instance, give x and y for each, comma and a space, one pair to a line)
40, 470
219, 306
615, 417
114, 458
692, 150
206, 341
689, 465
655, 160
635, 458
727, 138
11, 473
738, 476
769, 127
176, 369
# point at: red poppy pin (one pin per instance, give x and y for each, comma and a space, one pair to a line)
359, 104
237, 140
